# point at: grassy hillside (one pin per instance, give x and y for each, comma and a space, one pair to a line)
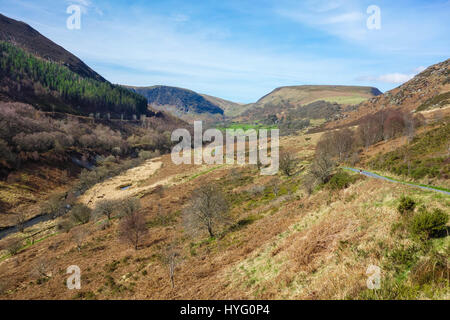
425, 157
283, 100
301, 95
281, 243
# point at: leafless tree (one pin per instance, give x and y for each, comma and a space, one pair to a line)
42, 268
370, 130
275, 183
288, 163
207, 209
106, 208
129, 206
171, 258
79, 237
322, 167
132, 228
309, 183
20, 221
337, 143
394, 124
344, 142
410, 127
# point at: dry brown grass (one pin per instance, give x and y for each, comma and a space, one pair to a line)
295, 247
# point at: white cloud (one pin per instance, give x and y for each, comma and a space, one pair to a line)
345, 18
393, 78
85, 3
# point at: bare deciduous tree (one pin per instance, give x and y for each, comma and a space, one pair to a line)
337, 143
106, 208
79, 237
288, 163
410, 127
275, 186
370, 130
132, 228
42, 268
171, 257
322, 167
344, 143
207, 209
129, 206
309, 183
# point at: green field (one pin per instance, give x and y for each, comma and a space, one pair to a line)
246, 126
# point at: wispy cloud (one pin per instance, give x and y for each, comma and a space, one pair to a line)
416, 27
394, 78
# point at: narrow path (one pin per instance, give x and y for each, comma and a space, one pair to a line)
376, 176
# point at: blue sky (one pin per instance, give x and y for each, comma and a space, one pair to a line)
241, 50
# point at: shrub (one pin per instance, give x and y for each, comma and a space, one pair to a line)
65, 225
432, 268
145, 155
80, 214
406, 205
429, 224
341, 180
403, 257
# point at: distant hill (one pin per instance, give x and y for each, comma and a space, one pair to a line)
23, 36
301, 95
284, 100
428, 91
182, 103
230, 108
